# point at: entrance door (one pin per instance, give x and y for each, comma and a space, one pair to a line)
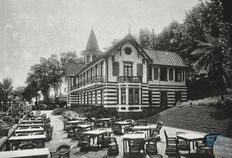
163, 99
150, 97
177, 97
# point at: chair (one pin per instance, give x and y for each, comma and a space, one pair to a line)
182, 144
84, 143
63, 151
128, 129
171, 146
155, 132
136, 145
151, 147
142, 123
206, 146
27, 146
112, 146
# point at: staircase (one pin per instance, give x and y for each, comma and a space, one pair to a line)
197, 118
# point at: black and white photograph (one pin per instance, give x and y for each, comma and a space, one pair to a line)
115, 79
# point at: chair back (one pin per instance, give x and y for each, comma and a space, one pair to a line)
210, 138
27, 146
159, 125
142, 123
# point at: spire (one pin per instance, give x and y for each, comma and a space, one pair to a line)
92, 44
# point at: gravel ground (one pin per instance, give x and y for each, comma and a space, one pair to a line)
60, 137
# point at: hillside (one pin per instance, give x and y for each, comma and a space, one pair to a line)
201, 115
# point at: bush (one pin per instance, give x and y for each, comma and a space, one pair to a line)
57, 111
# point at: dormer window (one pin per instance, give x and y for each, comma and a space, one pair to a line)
128, 50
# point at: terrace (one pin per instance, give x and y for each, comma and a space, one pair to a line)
65, 129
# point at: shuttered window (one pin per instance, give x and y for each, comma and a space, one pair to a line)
140, 70
156, 73
170, 74
150, 72
115, 68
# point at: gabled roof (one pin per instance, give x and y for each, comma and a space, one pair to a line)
166, 58
71, 69
92, 44
116, 47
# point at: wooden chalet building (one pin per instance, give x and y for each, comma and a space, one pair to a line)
127, 77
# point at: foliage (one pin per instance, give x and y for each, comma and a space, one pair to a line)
145, 39
96, 111
69, 57
57, 111
47, 74
6, 89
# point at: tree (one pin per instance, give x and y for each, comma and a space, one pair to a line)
210, 61
6, 88
69, 57
47, 74
145, 39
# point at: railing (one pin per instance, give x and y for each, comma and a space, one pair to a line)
129, 79
89, 81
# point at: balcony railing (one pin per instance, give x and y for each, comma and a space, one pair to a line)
130, 79
89, 81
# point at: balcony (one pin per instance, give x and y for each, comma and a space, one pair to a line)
89, 81
129, 79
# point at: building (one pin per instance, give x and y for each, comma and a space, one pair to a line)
128, 78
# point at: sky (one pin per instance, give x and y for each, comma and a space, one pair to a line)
30, 29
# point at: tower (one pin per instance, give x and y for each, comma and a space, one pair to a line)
92, 50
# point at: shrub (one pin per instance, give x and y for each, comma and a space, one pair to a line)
57, 111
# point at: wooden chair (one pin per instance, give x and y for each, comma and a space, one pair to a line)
171, 146
84, 143
27, 146
182, 144
206, 146
136, 145
142, 123
155, 132
112, 146
63, 151
151, 146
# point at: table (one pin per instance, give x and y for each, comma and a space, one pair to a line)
144, 128
105, 121
96, 133
30, 125
85, 127
25, 153
74, 122
27, 138
126, 137
31, 121
120, 124
29, 130
191, 137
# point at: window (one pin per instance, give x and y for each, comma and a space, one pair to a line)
156, 73
140, 70
163, 74
130, 96
127, 71
150, 72
123, 96
136, 96
96, 97
170, 74
128, 50
178, 75
115, 68
183, 75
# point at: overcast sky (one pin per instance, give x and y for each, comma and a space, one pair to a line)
30, 29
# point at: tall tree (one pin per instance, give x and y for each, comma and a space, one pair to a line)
6, 89
145, 38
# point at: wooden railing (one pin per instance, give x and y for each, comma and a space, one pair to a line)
89, 81
129, 79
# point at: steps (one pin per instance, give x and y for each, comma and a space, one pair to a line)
197, 118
